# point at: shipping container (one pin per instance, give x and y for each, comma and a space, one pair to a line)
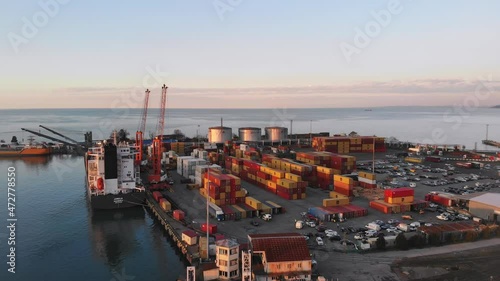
399, 200
157, 195
330, 202
399, 192
178, 215
211, 228
165, 205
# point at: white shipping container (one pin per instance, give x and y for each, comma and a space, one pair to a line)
365, 180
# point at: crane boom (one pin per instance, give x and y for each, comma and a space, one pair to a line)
139, 135
142, 126
49, 137
161, 118
56, 133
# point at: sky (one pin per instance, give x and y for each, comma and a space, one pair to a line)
249, 54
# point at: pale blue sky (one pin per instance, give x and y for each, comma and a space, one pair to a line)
258, 54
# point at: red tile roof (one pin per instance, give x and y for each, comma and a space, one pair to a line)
281, 247
190, 233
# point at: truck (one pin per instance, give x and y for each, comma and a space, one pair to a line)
373, 226
403, 227
215, 211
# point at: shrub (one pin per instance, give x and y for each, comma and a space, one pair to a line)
401, 242
380, 243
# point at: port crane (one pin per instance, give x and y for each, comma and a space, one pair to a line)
139, 135
156, 154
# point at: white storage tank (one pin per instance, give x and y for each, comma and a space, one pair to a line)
250, 134
276, 133
219, 134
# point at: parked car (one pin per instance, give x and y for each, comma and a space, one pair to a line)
310, 223
267, 217
254, 223
319, 240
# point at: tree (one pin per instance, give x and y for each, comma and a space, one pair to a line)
14, 139
380, 243
121, 135
416, 241
401, 242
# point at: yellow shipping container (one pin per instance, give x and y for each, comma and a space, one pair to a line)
271, 184
324, 170
252, 202
203, 192
366, 175
294, 197
166, 206
334, 194
287, 183
252, 177
303, 195
400, 200
330, 202
293, 177
343, 179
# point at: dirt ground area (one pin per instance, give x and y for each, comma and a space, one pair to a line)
478, 265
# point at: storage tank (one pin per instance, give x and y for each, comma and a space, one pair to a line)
250, 134
220, 134
276, 133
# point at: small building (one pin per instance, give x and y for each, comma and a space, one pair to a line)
280, 256
486, 206
228, 259
190, 237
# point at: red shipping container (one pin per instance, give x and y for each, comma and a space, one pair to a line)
218, 236
211, 228
157, 195
179, 215
399, 192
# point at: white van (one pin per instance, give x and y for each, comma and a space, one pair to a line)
413, 185
299, 224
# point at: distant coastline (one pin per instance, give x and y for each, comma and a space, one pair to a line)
496, 106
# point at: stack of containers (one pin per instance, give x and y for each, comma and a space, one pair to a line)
355, 145
178, 147
189, 166
200, 153
367, 180
223, 189
349, 144
398, 200
325, 177
343, 185
343, 163
200, 170
399, 195
180, 160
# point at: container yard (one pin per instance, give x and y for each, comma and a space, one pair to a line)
249, 191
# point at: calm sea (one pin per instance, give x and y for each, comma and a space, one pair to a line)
59, 238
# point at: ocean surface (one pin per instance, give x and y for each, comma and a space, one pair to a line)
436, 125
59, 238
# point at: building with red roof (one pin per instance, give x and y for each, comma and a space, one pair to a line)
282, 256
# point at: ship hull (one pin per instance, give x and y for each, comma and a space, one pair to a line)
25, 152
118, 201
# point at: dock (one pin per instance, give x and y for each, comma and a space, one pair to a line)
174, 229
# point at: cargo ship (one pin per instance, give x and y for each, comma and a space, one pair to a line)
23, 150
113, 179
491, 143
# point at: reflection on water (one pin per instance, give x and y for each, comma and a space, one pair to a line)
30, 160
113, 233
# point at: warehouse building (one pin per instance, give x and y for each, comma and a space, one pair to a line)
486, 206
